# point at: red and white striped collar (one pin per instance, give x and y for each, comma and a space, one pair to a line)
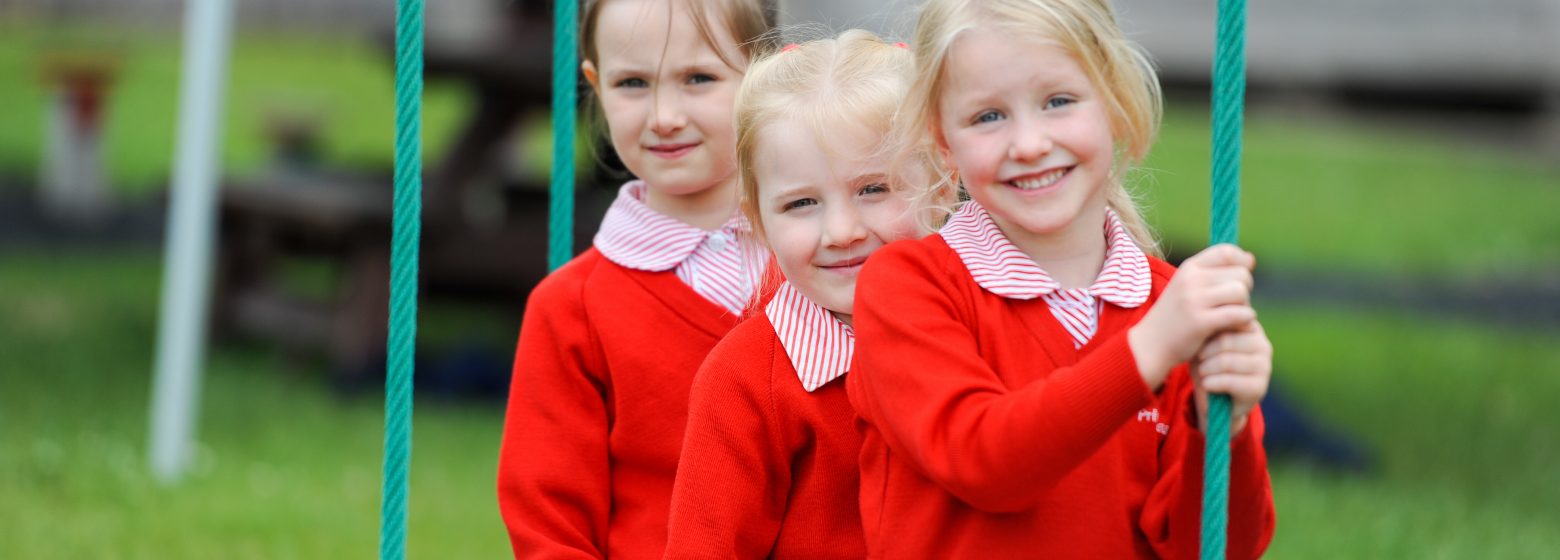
634, 236
1002, 269
818, 344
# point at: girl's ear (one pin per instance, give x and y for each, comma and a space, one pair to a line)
942, 146
589, 70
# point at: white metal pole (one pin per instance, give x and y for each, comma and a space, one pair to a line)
191, 224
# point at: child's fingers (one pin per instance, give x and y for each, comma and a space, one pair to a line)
1229, 274
1231, 363
1223, 254
1219, 344
1226, 293
1241, 339
1243, 387
1256, 333
1226, 317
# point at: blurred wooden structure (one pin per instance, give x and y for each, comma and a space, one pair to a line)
345, 220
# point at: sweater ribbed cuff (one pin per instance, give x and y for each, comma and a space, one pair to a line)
1109, 381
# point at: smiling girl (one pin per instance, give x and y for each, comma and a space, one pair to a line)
610, 341
769, 467
1024, 372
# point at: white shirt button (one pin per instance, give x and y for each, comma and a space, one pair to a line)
717, 242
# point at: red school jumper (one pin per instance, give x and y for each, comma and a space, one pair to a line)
599, 396
769, 463
992, 435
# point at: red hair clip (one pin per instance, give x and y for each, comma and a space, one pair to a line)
902, 45
789, 48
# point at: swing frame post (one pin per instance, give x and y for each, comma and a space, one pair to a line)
191, 226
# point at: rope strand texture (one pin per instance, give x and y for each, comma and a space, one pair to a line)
403, 279
1229, 91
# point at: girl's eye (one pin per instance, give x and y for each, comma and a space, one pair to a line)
1056, 102
701, 79
631, 83
875, 188
798, 203
986, 116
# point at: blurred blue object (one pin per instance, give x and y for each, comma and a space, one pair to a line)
1293, 436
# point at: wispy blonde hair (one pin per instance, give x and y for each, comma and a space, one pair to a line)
749, 23
856, 79
1087, 30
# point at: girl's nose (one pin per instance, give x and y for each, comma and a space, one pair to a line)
842, 226
1030, 143
667, 116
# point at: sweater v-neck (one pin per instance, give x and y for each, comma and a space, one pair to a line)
1054, 338
683, 301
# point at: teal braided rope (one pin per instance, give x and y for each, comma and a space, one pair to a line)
1229, 92
560, 215
403, 277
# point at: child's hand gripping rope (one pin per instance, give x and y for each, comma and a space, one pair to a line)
1238, 363
1210, 294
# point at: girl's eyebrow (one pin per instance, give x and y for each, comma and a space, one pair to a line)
699, 68
1051, 81
791, 191
965, 103
619, 70
868, 178
636, 69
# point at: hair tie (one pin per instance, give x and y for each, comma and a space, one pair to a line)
789, 48
902, 45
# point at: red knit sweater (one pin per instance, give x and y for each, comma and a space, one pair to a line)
992, 437
597, 406
768, 470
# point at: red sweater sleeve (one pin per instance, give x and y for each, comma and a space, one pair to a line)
734, 473
553, 485
1172, 516
937, 401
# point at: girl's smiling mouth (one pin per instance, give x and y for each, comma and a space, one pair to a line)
845, 266
671, 151
1039, 182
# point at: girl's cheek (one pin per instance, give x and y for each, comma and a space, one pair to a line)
889, 221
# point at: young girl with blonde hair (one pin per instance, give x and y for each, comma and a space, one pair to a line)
1024, 373
610, 341
769, 464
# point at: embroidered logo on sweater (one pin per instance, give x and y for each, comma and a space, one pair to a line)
1152, 415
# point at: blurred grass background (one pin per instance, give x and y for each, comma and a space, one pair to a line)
1458, 414
345, 82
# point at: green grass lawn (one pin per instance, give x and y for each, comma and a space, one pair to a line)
1383, 203
1460, 418
284, 470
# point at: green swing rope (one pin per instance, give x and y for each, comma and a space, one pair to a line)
1229, 92
403, 279
560, 216
408, 228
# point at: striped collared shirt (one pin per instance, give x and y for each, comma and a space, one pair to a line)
1002, 269
713, 263
818, 344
